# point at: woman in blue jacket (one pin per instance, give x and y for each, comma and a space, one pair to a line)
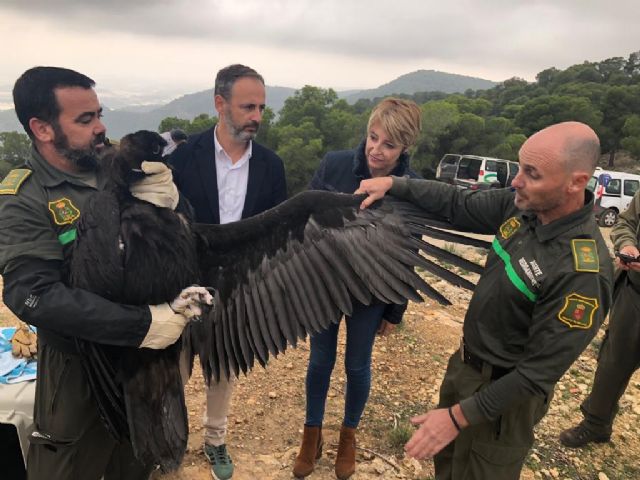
393, 127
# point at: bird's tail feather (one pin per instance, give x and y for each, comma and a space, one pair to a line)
105, 387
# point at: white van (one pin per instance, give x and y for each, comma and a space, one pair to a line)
613, 192
475, 172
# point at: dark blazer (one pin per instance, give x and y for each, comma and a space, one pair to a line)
194, 172
343, 170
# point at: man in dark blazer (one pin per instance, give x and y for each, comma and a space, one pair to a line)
227, 176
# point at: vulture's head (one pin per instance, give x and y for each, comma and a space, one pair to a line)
124, 162
142, 145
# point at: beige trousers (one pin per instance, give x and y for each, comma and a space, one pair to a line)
217, 410
218, 402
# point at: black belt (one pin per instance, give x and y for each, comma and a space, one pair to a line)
478, 364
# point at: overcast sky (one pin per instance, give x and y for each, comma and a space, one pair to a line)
156, 48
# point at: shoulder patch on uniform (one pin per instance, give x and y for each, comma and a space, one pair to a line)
64, 211
585, 255
509, 227
14, 179
578, 311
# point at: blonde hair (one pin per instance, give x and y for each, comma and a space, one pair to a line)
400, 119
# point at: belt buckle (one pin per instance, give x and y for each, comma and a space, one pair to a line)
462, 349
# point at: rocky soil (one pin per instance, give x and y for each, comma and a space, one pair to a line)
267, 414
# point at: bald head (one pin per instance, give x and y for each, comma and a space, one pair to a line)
575, 144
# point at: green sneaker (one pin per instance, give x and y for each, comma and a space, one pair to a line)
221, 463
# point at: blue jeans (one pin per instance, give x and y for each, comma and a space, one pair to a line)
361, 333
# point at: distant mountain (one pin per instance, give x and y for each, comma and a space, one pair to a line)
424, 81
9, 121
139, 108
348, 93
122, 120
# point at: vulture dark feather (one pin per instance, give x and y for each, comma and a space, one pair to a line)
278, 277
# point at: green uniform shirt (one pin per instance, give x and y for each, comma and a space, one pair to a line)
543, 295
39, 218
39, 209
625, 232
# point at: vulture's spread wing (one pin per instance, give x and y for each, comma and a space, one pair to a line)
297, 268
279, 276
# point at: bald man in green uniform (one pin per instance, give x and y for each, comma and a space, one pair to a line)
619, 355
543, 295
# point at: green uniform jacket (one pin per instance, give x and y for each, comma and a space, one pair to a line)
625, 232
39, 210
545, 291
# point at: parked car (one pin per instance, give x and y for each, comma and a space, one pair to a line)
613, 192
475, 172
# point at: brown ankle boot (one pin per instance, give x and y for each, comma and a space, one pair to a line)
310, 451
346, 458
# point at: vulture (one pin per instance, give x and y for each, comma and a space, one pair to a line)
277, 277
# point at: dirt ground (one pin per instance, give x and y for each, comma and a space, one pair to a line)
267, 414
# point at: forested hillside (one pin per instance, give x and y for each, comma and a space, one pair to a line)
125, 119
492, 122
412, 82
